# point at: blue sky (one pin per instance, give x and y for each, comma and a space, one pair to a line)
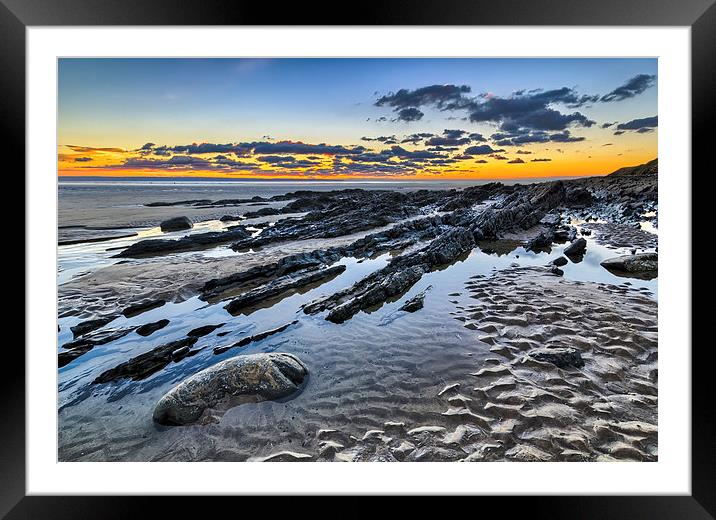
125, 103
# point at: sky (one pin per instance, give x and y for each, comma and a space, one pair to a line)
358, 118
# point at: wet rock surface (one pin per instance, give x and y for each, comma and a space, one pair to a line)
149, 328
176, 224
257, 376
644, 263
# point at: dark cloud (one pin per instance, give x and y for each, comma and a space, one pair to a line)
607, 125
389, 139
481, 161
417, 138
631, 88
83, 159
399, 151
481, 149
441, 96
498, 157
565, 137
531, 111
648, 123
454, 134
447, 141
409, 114
516, 161
523, 152
148, 146
477, 138
619, 132
607, 144
541, 160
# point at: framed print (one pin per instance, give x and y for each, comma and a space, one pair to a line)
381, 250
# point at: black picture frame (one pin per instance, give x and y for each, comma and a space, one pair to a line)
700, 15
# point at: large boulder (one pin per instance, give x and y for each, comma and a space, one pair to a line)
256, 376
638, 263
176, 224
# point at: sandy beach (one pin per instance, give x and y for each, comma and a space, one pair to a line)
435, 322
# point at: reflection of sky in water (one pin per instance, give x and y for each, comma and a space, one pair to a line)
194, 313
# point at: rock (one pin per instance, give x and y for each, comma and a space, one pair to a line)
144, 306
415, 303
541, 242
144, 365
559, 262
78, 347
176, 224
256, 337
158, 246
149, 328
257, 376
89, 325
576, 248
585, 232
556, 270
203, 331
282, 285
634, 263
563, 357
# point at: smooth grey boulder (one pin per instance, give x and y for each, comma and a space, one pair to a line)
256, 376
176, 224
635, 263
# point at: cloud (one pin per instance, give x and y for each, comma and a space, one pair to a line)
619, 132
565, 137
523, 152
480, 161
88, 149
516, 161
390, 139
498, 157
648, 123
532, 111
409, 114
541, 160
441, 96
607, 125
417, 138
83, 159
631, 88
482, 149
447, 141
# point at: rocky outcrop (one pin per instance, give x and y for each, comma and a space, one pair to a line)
176, 224
394, 279
521, 210
256, 377
159, 246
282, 285
144, 365
256, 337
